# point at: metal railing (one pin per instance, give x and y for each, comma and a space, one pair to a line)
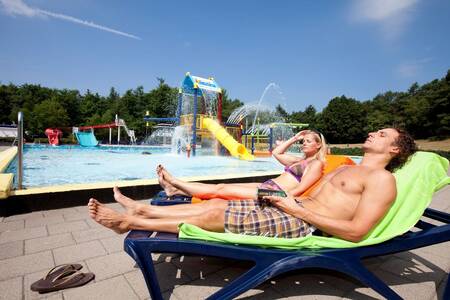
19, 150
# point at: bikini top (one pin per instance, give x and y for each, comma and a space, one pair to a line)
292, 169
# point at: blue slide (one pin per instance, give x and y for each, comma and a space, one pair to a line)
86, 139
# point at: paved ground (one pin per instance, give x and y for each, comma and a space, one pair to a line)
31, 244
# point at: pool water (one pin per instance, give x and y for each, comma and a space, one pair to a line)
47, 165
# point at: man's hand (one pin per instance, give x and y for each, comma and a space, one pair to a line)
286, 204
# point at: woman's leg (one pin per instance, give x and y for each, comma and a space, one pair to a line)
212, 219
208, 191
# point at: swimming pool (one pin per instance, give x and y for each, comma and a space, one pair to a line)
49, 166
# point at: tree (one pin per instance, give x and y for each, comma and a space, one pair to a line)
343, 120
49, 114
228, 105
279, 110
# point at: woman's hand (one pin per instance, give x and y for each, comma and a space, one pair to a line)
300, 135
286, 204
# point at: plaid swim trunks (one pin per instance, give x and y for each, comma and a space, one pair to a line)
249, 217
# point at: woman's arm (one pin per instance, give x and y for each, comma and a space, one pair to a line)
313, 172
287, 159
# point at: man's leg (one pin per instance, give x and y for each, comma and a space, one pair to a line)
142, 210
212, 219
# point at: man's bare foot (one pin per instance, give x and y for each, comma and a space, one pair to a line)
108, 217
133, 208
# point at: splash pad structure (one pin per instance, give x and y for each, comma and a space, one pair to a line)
198, 120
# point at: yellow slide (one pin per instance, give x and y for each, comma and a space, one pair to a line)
236, 149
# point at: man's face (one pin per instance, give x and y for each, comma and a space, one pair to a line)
382, 141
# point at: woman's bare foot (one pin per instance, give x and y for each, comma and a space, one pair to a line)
133, 208
167, 186
167, 176
108, 217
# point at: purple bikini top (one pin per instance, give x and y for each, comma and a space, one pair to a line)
291, 170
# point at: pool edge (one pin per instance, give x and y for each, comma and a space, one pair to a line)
54, 197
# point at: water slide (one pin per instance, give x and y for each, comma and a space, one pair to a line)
53, 136
236, 149
86, 139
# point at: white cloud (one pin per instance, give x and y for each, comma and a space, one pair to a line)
411, 69
391, 15
19, 8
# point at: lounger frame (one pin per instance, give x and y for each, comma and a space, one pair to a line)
271, 262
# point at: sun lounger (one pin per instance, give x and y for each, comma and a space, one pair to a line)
416, 183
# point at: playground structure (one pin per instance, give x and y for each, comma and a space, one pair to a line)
198, 121
53, 135
85, 134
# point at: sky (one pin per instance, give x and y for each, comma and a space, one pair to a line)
307, 52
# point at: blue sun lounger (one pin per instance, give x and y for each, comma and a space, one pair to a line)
273, 256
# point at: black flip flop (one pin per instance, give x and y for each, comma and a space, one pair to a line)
62, 277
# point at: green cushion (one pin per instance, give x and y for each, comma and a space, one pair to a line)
417, 181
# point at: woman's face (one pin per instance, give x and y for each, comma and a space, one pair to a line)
310, 146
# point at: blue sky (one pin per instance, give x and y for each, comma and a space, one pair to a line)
313, 50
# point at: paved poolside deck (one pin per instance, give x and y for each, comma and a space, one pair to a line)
31, 244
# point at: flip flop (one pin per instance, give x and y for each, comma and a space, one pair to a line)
62, 277
55, 272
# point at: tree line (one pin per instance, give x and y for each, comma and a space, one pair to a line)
422, 110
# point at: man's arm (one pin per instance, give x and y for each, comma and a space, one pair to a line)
377, 197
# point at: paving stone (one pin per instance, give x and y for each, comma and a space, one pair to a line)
200, 288
43, 221
13, 225
67, 227
401, 285
59, 212
110, 265
21, 265
196, 266
92, 234
22, 234
203, 288
11, 289
116, 288
12, 249
78, 252
418, 265
76, 216
93, 224
48, 243
82, 209
30, 278
113, 244
28, 216
304, 286
169, 276
137, 283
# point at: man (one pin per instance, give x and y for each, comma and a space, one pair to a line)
347, 204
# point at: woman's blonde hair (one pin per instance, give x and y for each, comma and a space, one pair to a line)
319, 138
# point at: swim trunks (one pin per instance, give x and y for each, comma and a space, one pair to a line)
251, 218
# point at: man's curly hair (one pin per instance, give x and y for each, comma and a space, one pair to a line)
407, 147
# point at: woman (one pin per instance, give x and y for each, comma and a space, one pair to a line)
299, 173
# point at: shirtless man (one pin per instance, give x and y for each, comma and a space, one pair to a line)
347, 204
